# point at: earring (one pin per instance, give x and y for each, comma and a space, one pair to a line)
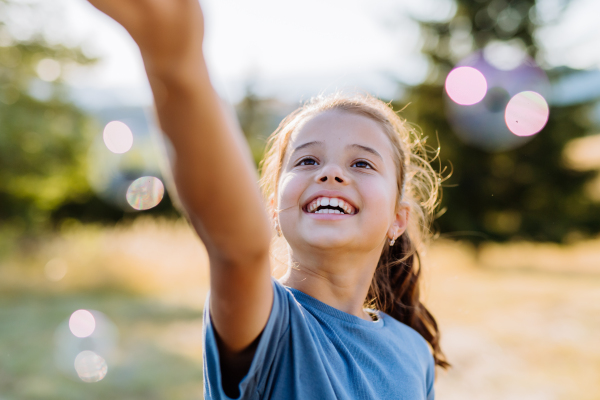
277, 229
392, 242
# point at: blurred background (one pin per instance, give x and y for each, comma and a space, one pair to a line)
102, 282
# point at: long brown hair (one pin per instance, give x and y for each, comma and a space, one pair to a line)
396, 282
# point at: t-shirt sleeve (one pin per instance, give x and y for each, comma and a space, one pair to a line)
267, 348
430, 379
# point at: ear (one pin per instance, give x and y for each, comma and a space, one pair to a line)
400, 223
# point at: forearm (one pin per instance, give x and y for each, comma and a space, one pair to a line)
213, 169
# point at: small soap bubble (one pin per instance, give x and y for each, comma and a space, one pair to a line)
145, 193
67, 348
118, 137
82, 323
466, 86
48, 70
526, 113
55, 269
90, 366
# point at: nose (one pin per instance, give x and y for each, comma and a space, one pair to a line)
332, 173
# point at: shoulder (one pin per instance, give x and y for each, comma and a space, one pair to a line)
284, 295
408, 335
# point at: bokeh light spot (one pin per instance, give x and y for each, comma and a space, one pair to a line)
48, 70
82, 323
466, 86
526, 113
505, 55
145, 192
90, 366
55, 269
118, 137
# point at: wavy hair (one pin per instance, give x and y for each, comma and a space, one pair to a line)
395, 287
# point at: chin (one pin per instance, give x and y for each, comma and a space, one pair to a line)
324, 242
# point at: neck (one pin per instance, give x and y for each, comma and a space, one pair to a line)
340, 280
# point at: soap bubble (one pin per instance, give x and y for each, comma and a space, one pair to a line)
117, 137
466, 86
90, 355
90, 366
114, 162
483, 125
526, 113
145, 193
82, 323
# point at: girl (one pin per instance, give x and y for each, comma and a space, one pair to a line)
347, 185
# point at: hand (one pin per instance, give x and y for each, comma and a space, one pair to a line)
168, 32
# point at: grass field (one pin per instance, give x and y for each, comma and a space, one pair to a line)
519, 321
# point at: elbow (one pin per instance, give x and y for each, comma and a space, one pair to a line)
247, 254
242, 260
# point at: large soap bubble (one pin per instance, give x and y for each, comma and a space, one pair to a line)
484, 125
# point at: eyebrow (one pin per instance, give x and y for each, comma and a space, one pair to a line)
367, 149
307, 144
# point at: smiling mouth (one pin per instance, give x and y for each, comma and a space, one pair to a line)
330, 205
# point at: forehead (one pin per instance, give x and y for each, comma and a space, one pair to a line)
342, 127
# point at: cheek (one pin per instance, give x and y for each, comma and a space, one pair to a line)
290, 189
379, 195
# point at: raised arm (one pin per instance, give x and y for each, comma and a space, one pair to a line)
213, 171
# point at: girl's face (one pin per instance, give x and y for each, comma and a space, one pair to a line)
338, 186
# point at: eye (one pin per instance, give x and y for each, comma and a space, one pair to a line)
362, 164
307, 161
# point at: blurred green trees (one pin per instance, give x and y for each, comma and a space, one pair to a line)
259, 117
43, 137
525, 193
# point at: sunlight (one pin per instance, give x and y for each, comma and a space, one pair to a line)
48, 70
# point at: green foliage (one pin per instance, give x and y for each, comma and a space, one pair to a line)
258, 118
253, 119
43, 137
523, 193
526, 193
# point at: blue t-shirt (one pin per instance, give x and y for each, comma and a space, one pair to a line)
309, 350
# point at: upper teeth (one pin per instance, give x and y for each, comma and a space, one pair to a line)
329, 201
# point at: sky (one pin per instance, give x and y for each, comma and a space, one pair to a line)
295, 49
281, 45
